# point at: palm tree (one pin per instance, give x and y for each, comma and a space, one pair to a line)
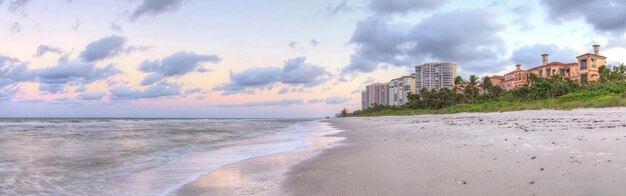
471, 90
458, 81
486, 83
473, 80
619, 72
532, 78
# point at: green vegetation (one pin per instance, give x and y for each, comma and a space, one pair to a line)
541, 93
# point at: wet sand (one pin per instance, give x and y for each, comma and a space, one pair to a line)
262, 175
580, 152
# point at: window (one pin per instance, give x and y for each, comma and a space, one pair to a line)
583, 64
593, 62
562, 72
541, 73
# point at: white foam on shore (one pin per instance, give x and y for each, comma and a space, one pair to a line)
263, 175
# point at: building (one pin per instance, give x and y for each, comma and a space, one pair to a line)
547, 69
399, 90
584, 70
364, 100
434, 76
496, 80
375, 94
515, 79
589, 64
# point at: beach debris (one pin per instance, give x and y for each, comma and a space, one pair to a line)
533, 158
532, 182
542, 169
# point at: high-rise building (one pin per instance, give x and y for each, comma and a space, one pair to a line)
364, 100
434, 76
375, 94
400, 88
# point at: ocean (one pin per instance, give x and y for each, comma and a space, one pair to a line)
134, 156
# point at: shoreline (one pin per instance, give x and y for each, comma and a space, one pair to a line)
546, 152
261, 175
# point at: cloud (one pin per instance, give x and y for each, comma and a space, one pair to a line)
193, 91
256, 77
18, 4
402, 6
33, 101
132, 49
334, 100
468, 37
465, 36
294, 72
617, 41
76, 24
293, 44
177, 64
521, 16
13, 71
281, 103
155, 7
116, 27
315, 101
104, 48
369, 81
81, 88
283, 91
15, 28
8, 93
162, 89
52, 88
376, 42
66, 100
91, 96
604, 15
43, 49
530, 56
356, 91
340, 7
314, 43
54, 79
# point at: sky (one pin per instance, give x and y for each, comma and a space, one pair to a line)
273, 58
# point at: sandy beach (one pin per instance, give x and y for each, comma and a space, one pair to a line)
579, 152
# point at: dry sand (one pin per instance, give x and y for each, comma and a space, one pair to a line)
580, 152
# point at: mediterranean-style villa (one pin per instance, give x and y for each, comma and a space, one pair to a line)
584, 70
